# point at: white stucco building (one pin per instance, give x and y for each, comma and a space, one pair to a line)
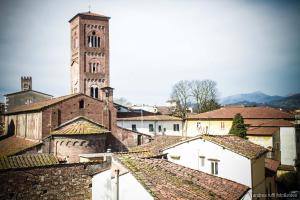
153, 124
229, 157
131, 177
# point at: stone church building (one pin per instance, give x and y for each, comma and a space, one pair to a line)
85, 120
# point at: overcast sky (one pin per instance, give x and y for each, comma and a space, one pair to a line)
245, 46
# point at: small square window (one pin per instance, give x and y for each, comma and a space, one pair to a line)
214, 168
175, 127
133, 127
151, 128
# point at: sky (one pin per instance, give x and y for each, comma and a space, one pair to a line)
244, 46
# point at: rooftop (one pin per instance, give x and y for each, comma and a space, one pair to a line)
262, 131
27, 160
238, 145
271, 165
154, 147
246, 112
233, 143
269, 122
13, 145
151, 118
41, 104
26, 91
165, 180
79, 125
91, 15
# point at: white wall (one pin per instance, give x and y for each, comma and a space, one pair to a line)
103, 187
143, 127
288, 145
232, 166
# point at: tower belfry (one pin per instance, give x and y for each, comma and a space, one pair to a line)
89, 54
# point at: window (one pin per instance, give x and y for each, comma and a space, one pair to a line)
94, 92
133, 127
94, 40
159, 128
81, 104
222, 125
202, 161
175, 127
151, 128
214, 167
198, 124
139, 140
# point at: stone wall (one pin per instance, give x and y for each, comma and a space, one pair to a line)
63, 181
69, 147
124, 138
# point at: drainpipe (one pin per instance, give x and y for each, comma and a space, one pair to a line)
117, 172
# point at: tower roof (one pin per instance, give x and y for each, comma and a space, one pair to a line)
90, 15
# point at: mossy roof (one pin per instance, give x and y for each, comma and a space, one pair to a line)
27, 160
79, 125
165, 180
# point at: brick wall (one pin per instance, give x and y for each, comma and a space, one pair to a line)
71, 181
124, 138
69, 147
69, 109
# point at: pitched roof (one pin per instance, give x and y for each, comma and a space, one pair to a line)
269, 122
165, 180
262, 131
246, 112
26, 91
79, 125
154, 147
89, 14
151, 118
271, 165
13, 145
27, 160
238, 145
233, 143
41, 104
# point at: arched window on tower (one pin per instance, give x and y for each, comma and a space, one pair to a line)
94, 91
94, 40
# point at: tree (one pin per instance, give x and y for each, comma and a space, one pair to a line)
122, 101
181, 95
238, 127
204, 94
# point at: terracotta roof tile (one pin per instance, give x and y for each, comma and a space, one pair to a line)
165, 110
238, 145
165, 180
14, 144
79, 125
151, 118
41, 104
27, 160
246, 112
271, 165
269, 122
262, 131
154, 147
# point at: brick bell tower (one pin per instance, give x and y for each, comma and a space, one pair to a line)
90, 55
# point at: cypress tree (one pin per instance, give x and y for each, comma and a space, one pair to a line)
238, 127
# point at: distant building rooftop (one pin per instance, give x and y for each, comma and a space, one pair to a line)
246, 112
151, 118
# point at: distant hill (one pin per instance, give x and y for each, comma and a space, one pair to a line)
261, 99
254, 97
292, 101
